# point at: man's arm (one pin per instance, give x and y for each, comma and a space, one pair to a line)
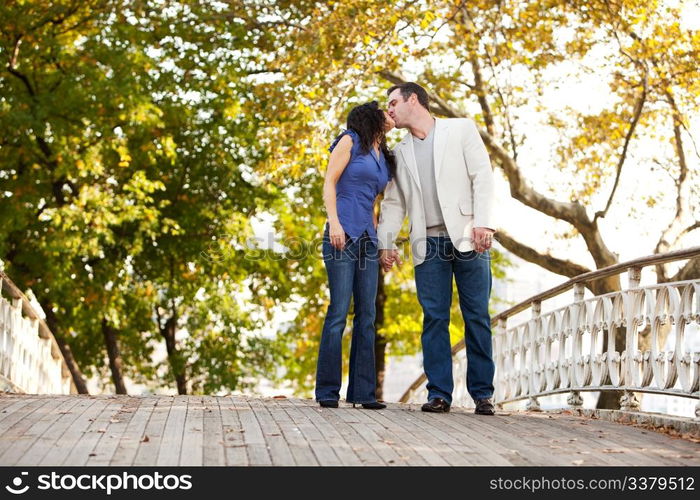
481, 174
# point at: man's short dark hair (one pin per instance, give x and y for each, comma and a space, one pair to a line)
409, 88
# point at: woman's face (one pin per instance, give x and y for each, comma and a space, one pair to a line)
388, 122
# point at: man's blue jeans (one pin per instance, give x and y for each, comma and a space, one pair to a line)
472, 273
352, 272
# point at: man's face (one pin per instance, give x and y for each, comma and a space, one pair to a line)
399, 109
388, 122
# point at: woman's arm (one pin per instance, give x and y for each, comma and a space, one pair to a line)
340, 156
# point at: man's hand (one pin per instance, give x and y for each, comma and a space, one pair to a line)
387, 259
482, 237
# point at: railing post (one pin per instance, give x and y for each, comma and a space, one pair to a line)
634, 276
574, 400
532, 403
500, 342
628, 400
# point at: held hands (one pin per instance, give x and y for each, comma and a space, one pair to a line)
336, 234
387, 258
482, 237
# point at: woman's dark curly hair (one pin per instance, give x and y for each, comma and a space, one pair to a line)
368, 121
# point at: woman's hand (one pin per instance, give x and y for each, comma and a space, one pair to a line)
337, 235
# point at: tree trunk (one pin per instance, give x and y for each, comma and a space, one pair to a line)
76, 374
115, 357
380, 340
177, 364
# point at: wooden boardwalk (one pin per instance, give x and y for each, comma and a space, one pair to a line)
206, 430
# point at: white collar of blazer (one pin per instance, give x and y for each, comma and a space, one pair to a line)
405, 147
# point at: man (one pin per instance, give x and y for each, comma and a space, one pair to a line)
445, 183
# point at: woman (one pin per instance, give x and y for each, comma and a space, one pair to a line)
359, 168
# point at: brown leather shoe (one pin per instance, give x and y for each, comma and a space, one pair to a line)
484, 407
436, 405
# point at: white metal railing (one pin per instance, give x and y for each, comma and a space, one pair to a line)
30, 359
561, 351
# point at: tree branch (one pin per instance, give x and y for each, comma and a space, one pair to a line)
482, 91
481, 95
545, 260
12, 67
638, 107
675, 230
690, 228
688, 272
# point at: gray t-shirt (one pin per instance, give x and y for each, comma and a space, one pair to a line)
425, 161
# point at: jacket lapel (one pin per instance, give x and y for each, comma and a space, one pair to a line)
442, 132
409, 157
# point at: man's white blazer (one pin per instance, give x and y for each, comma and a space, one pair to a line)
465, 188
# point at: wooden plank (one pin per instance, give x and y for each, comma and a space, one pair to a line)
567, 437
68, 440
276, 443
149, 444
109, 441
429, 429
52, 427
28, 426
171, 442
234, 442
213, 433
342, 419
326, 444
651, 440
465, 428
539, 435
618, 441
128, 445
455, 453
523, 448
9, 403
255, 443
565, 442
20, 410
323, 436
192, 452
395, 434
97, 430
372, 433
80, 453
293, 434
411, 436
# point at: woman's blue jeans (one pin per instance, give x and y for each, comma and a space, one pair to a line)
352, 273
472, 274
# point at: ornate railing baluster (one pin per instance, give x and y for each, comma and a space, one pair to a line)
562, 351
30, 359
